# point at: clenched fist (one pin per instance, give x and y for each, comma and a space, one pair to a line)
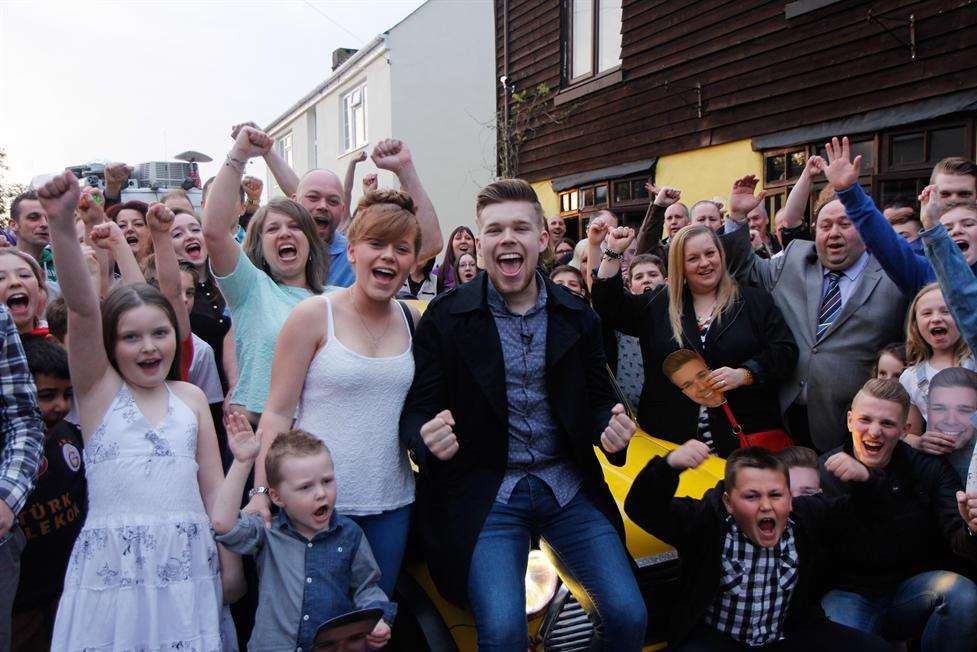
59, 197
846, 468
159, 218
619, 431
252, 188
439, 437
107, 236
391, 154
251, 142
689, 455
620, 238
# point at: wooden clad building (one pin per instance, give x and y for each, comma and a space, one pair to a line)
693, 93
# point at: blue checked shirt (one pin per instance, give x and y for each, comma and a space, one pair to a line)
21, 427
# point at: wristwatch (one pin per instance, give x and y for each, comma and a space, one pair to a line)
257, 490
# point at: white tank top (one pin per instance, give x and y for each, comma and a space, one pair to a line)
353, 402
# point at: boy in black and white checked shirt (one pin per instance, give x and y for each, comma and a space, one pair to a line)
750, 573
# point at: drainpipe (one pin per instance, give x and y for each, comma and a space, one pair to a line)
504, 79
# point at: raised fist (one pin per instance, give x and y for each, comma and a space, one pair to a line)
59, 197
107, 236
391, 154
91, 206
159, 218
369, 183
620, 238
741, 198
252, 188
115, 177
929, 206
619, 431
967, 506
251, 142
846, 468
236, 129
813, 166
439, 437
667, 196
689, 455
360, 156
597, 231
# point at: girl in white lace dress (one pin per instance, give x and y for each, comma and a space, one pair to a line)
145, 571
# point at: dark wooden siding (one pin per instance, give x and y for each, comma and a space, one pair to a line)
760, 73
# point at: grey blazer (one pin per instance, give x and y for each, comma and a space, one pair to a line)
836, 365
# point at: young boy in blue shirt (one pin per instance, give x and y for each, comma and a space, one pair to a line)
313, 564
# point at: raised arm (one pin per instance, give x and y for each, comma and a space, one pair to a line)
741, 260
220, 213
956, 279
907, 270
359, 157
245, 446
611, 301
88, 364
160, 220
596, 232
394, 155
108, 238
799, 195
650, 232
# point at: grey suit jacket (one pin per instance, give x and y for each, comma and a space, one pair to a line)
836, 365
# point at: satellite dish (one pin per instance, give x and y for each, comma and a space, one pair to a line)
191, 156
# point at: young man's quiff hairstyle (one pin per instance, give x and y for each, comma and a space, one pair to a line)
292, 443
678, 359
954, 377
954, 166
752, 457
885, 390
505, 190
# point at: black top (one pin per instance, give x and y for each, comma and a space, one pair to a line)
913, 528
752, 333
52, 518
459, 366
209, 321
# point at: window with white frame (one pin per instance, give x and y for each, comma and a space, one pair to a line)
354, 118
310, 123
284, 145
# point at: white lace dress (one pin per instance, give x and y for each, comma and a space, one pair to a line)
144, 574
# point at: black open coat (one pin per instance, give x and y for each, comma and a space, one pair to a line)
459, 366
751, 334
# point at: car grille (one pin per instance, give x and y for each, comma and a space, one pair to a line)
566, 627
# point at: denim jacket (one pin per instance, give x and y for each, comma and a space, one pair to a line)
956, 280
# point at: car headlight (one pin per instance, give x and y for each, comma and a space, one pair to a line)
541, 581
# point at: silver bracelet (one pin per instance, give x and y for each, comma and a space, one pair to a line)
235, 164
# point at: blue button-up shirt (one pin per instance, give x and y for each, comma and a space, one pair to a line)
340, 273
303, 583
535, 447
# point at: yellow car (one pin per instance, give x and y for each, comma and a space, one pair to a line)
557, 622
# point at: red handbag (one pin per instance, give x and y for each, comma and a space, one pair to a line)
773, 440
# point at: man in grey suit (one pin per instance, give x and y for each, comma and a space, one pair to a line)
840, 305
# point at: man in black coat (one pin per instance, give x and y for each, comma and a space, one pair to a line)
893, 572
510, 396
749, 554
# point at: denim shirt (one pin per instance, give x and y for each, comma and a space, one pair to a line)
535, 446
304, 583
956, 280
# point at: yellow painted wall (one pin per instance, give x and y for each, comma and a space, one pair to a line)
708, 172
547, 198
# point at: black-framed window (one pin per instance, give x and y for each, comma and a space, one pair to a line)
593, 46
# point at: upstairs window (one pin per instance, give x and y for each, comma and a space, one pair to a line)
354, 119
594, 45
285, 149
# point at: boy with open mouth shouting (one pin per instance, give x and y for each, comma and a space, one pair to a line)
749, 576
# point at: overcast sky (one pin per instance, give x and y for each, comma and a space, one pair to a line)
142, 81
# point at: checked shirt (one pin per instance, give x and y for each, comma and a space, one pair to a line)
755, 587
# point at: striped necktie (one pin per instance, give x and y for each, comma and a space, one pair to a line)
830, 303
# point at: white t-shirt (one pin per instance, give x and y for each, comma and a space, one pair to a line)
203, 371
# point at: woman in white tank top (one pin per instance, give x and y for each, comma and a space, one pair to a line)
342, 368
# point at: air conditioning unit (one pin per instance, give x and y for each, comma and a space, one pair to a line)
161, 174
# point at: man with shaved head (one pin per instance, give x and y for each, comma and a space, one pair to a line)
321, 193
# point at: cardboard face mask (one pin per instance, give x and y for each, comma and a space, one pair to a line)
689, 372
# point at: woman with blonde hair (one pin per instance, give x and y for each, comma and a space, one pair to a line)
343, 365
23, 288
739, 332
933, 343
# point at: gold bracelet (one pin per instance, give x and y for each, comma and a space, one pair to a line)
749, 376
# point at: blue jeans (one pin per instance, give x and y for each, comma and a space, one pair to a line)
387, 534
589, 556
938, 608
